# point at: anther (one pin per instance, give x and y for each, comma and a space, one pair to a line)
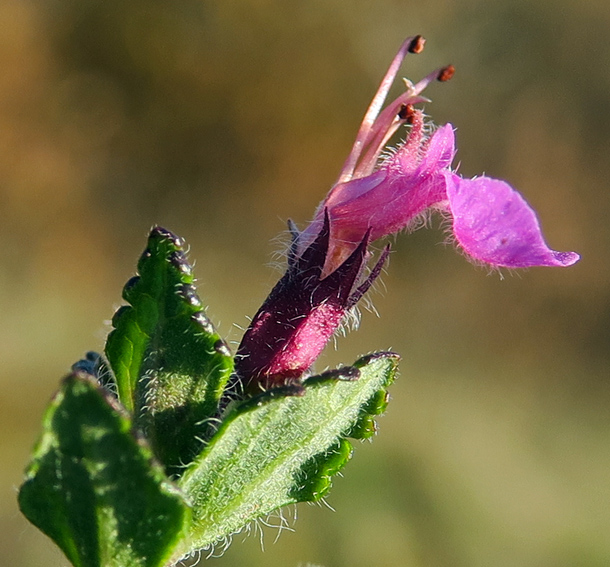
445, 73
406, 113
417, 45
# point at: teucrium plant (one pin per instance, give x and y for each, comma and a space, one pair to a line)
171, 444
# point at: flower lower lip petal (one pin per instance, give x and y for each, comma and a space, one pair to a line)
495, 225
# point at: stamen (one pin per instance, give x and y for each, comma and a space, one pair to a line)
387, 123
367, 164
417, 44
410, 45
406, 113
442, 74
445, 73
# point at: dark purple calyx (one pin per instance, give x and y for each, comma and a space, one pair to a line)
302, 313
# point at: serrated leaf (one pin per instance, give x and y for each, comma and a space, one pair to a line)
277, 449
171, 366
94, 488
365, 427
314, 479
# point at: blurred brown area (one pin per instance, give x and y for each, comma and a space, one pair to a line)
220, 120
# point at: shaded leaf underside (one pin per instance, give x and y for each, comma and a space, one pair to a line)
94, 488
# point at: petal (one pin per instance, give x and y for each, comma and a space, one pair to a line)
495, 225
420, 155
347, 191
353, 224
389, 199
389, 208
439, 152
386, 201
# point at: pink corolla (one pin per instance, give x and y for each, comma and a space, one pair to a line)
490, 221
376, 196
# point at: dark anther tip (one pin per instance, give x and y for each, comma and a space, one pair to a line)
417, 44
445, 73
407, 113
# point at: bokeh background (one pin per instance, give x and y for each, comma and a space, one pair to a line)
221, 119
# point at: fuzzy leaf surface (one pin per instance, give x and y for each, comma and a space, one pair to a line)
171, 366
95, 489
278, 449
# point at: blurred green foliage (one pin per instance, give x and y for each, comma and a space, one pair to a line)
221, 119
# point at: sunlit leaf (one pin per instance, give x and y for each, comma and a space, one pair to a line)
170, 364
282, 447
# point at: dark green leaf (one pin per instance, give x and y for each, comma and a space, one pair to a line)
171, 366
279, 449
94, 488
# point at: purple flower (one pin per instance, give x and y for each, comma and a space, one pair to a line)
491, 222
372, 198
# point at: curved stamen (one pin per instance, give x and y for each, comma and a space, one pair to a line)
443, 74
410, 45
385, 132
386, 123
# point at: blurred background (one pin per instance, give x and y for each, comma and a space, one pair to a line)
220, 120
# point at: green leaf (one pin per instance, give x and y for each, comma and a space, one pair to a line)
94, 488
281, 447
171, 366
